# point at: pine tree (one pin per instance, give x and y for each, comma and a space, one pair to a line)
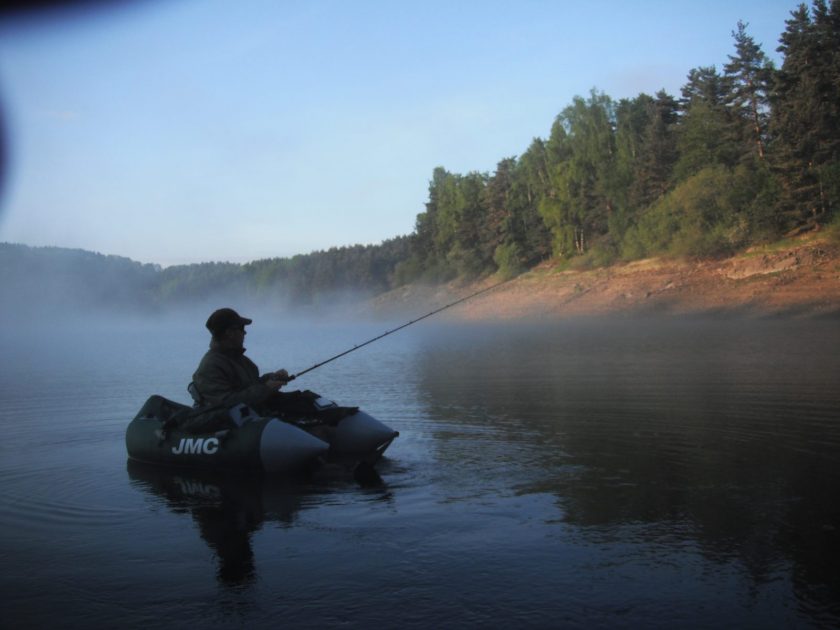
646, 146
805, 120
709, 134
749, 75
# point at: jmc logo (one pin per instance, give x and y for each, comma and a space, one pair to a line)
196, 446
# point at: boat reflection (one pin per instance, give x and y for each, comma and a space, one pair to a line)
229, 506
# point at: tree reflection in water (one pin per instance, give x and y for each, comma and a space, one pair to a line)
719, 438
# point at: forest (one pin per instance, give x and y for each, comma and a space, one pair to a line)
746, 153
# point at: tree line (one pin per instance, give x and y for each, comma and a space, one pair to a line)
305, 279
745, 154
54, 281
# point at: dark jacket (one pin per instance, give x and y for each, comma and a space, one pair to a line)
228, 377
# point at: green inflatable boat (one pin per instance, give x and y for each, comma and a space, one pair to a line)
249, 441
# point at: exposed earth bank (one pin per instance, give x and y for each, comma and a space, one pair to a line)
799, 277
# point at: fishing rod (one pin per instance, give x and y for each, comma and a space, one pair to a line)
389, 332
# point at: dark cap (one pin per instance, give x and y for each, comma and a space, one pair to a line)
223, 319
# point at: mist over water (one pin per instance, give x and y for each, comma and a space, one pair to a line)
653, 472
48, 286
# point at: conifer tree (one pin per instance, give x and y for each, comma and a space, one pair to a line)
708, 132
498, 200
646, 147
749, 75
806, 113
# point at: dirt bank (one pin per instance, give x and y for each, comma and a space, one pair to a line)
799, 277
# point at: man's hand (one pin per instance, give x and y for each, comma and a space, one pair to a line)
277, 379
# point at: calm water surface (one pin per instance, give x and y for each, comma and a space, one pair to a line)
582, 474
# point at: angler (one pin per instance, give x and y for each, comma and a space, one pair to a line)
241, 419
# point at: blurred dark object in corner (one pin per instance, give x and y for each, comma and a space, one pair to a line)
13, 8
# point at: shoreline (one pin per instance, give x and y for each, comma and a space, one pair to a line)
798, 278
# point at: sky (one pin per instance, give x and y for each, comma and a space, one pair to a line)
186, 131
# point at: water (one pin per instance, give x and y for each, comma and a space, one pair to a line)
582, 474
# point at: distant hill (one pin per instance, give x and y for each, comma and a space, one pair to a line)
49, 281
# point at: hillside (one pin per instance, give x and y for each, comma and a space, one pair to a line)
798, 277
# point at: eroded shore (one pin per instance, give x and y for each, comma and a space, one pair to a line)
800, 277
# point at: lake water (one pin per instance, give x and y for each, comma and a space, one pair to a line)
655, 473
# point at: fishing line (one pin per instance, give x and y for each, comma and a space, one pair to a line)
389, 332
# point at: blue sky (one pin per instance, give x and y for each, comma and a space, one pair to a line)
208, 130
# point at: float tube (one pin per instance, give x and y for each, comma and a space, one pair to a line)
252, 442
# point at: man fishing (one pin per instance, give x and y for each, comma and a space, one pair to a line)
225, 376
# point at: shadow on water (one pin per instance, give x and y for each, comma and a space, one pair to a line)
229, 507
723, 439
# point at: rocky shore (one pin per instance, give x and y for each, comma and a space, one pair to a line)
798, 277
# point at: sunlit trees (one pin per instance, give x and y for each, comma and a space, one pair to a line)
805, 120
581, 172
514, 236
741, 156
708, 131
750, 75
645, 154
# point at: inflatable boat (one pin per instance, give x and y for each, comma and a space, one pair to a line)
247, 440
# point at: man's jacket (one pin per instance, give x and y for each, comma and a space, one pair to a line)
228, 377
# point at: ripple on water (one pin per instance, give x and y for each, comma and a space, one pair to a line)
43, 499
